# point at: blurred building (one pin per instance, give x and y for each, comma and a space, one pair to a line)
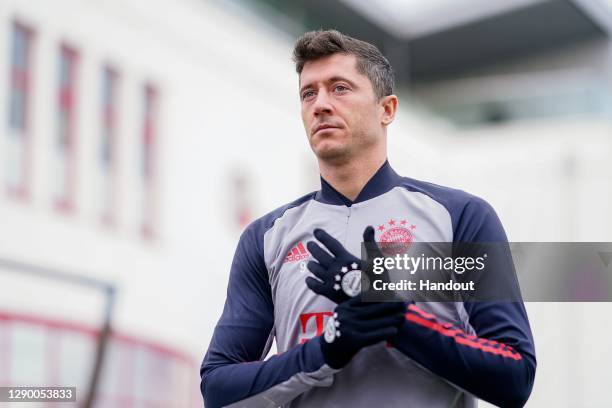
133, 136
138, 138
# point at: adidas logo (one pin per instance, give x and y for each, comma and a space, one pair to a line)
297, 253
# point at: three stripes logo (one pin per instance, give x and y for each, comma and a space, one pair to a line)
297, 253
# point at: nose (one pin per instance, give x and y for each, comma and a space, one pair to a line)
322, 105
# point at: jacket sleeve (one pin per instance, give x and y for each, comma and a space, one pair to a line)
498, 363
233, 372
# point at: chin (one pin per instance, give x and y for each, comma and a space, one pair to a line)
331, 153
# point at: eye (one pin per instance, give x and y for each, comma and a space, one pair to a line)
307, 94
340, 88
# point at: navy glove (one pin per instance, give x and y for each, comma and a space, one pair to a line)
356, 324
339, 276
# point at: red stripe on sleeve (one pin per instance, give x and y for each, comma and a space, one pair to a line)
421, 317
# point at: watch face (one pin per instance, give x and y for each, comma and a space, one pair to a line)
351, 283
330, 330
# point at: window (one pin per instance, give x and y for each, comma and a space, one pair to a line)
28, 351
107, 153
65, 141
148, 161
19, 117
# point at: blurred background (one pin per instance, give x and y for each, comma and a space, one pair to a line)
138, 139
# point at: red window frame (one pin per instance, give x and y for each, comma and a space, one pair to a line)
108, 140
66, 104
149, 143
21, 81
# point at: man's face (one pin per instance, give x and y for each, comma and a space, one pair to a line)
340, 111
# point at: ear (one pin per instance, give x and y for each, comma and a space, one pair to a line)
389, 106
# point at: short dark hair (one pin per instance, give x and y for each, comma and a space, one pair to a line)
370, 61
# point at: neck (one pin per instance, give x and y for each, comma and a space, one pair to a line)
350, 177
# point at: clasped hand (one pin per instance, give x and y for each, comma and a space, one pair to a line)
354, 324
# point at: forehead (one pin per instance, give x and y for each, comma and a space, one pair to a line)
335, 65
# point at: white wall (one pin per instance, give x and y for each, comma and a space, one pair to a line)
224, 104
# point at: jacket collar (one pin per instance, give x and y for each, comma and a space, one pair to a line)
381, 182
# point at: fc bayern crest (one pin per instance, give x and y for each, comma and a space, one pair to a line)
396, 236
351, 283
349, 279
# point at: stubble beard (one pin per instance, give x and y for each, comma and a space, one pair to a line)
355, 147
335, 155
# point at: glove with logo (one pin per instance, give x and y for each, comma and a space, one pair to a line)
339, 276
356, 324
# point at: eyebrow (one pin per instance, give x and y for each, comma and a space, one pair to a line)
335, 78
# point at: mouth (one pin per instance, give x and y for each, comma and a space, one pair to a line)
321, 127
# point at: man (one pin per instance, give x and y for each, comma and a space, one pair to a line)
337, 350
